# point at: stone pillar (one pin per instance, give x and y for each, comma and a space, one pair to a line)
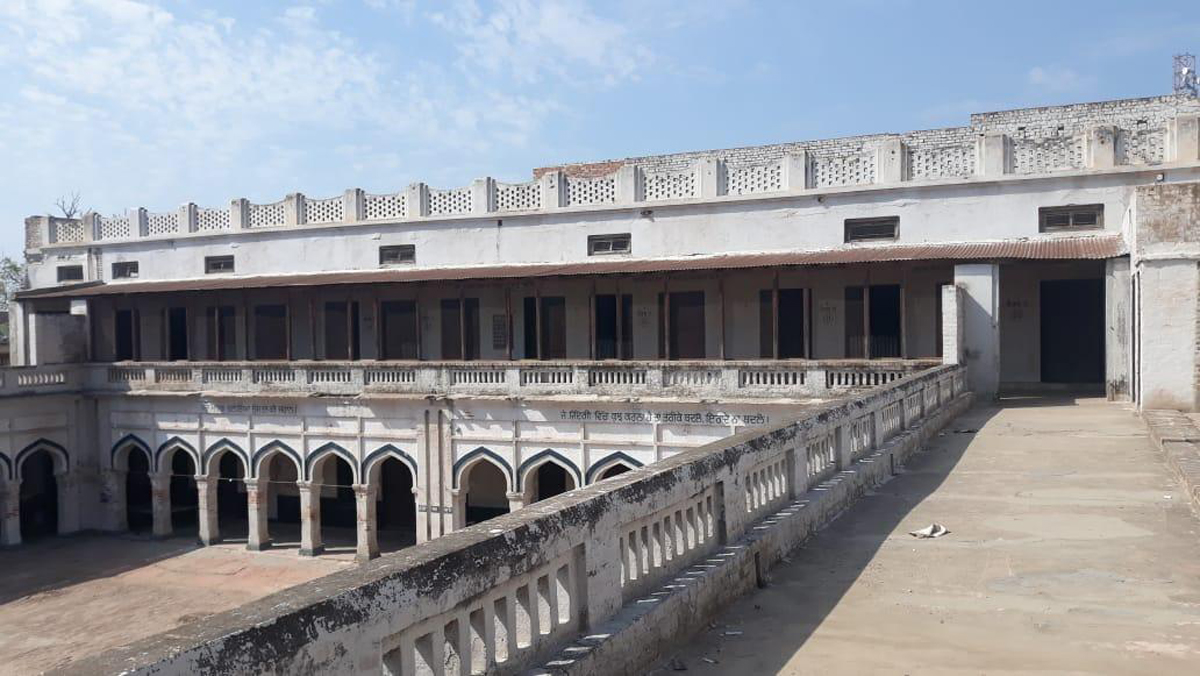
112, 499
1118, 343
423, 516
68, 502
160, 503
365, 526
10, 512
257, 538
889, 161
310, 518
980, 284
515, 501
994, 155
206, 506
841, 436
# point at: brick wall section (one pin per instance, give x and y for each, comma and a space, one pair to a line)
1168, 214
1132, 115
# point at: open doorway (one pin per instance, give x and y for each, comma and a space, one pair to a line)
1072, 331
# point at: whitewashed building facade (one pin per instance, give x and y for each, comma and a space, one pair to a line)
417, 361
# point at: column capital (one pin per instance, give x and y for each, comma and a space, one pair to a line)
515, 496
252, 484
305, 485
362, 489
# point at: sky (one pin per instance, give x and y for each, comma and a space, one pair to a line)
145, 103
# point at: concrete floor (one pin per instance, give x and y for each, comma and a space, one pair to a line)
65, 598
1070, 552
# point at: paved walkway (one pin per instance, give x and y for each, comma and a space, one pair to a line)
1071, 551
65, 598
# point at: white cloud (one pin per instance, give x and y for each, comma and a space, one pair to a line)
529, 40
136, 105
1057, 79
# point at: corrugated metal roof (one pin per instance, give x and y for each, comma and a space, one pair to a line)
1096, 247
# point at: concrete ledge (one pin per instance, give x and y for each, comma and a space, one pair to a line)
1179, 441
643, 631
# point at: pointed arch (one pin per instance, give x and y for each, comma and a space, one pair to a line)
6, 473
608, 462
216, 449
316, 456
384, 452
539, 459
176, 443
62, 460
481, 454
127, 441
273, 447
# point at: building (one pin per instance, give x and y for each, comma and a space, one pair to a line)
402, 365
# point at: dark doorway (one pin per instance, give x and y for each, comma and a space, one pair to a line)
335, 490
614, 326
341, 330
790, 327
396, 511
222, 333
177, 334
686, 330
232, 516
271, 332
550, 480
139, 510
283, 497
128, 336
884, 321
486, 487
1072, 319
856, 324
616, 470
399, 329
551, 315
184, 498
39, 497
460, 328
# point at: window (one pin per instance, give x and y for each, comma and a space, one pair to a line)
681, 325
614, 326
125, 270
599, 245
218, 264
782, 338
460, 328
271, 332
399, 326
70, 273
551, 316
221, 332
872, 229
128, 343
177, 334
397, 254
341, 330
1078, 217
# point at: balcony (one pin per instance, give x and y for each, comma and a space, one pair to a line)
723, 380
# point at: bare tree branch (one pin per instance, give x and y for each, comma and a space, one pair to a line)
69, 205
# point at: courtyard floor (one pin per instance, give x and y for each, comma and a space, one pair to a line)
1071, 551
65, 598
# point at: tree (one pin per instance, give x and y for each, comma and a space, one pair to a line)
13, 279
69, 205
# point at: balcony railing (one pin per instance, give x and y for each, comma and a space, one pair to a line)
691, 379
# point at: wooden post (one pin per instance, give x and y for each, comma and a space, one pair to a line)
163, 337
312, 327
667, 317
462, 325
620, 322
287, 321
866, 318
591, 321
378, 324
775, 315
537, 315
245, 327
808, 325
508, 321
420, 340
349, 329
721, 300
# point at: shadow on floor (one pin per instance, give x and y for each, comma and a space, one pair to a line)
860, 532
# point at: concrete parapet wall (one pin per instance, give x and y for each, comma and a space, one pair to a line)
643, 634
508, 594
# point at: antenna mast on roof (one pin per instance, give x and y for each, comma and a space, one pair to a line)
1185, 74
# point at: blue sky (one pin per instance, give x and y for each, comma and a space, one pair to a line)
144, 103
